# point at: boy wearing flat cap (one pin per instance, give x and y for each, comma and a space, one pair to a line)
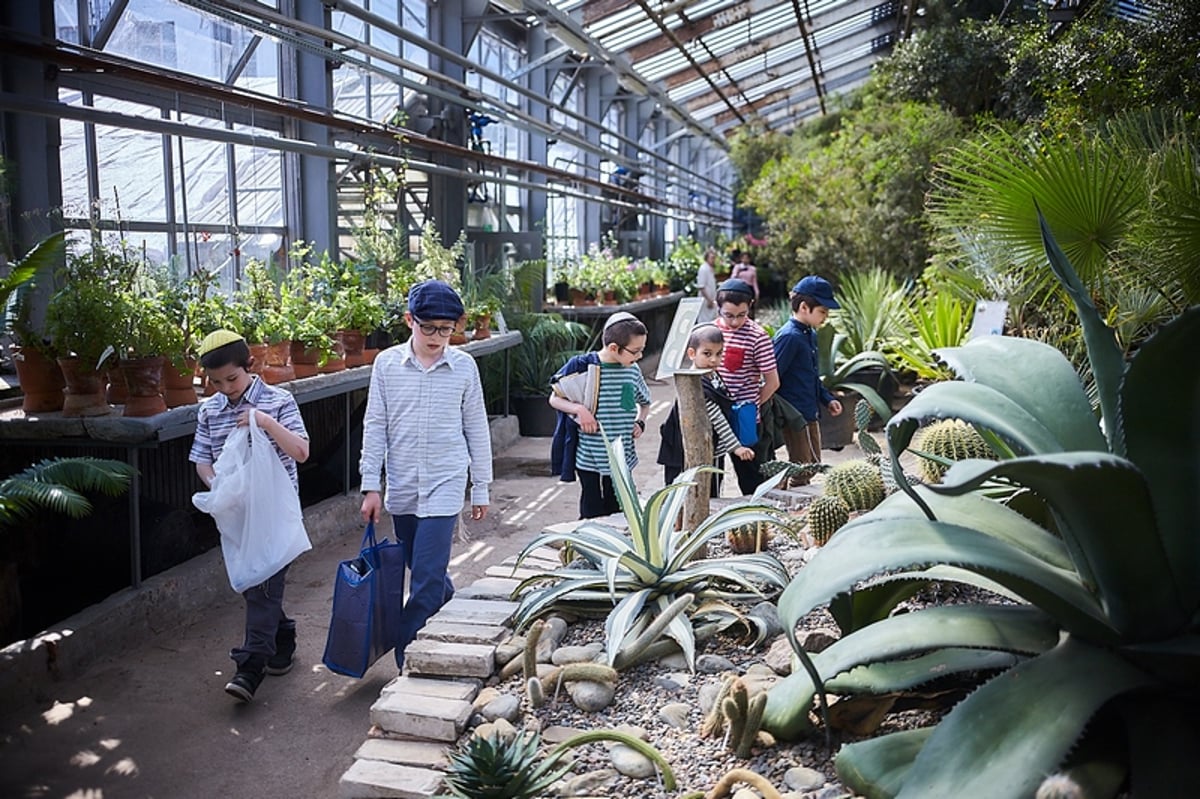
748, 368
796, 354
426, 427
613, 404
270, 642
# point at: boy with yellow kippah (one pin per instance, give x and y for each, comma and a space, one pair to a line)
270, 641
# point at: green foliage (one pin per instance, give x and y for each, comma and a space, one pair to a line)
146, 328
932, 321
846, 375
22, 278
1103, 593
547, 342
633, 578
58, 484
437, 261
492, 768
84, 319
872, 306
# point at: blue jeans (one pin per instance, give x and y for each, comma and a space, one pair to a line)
427, 542
264, 618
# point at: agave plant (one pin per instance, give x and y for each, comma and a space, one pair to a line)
635, 577
1090, 533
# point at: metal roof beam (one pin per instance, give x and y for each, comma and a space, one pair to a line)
788, 108
696, 27
796, 92
830, 52
599, 9
820, 22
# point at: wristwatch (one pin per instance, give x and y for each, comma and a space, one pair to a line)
640, 423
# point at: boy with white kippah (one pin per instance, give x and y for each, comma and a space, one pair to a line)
270, 642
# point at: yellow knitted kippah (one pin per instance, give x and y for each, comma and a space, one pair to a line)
217, 338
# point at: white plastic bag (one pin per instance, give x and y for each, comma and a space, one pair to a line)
256, 508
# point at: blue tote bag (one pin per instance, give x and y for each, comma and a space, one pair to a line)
368, 604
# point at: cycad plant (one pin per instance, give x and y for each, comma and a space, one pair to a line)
1091, 663
58, 485
636, 578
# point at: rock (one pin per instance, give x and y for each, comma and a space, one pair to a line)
815, 641
768, 618
505, 706
576, 654
630, 762
591, 696
759, 677
584, 784
550, 639
484, 696
799, 778
500, 727
674, 661
509, 649
831, 793
779, 657
556, 734
673, 682
714, 664
708, 696
746, 793
676, 714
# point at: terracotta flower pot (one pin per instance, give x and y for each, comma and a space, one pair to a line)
370, 354
84, 394
582, 298
336, 362
41, 380
115, 393
179, 387
304, 360
353, 342
278, 368
142, 379
259, 353
483, 327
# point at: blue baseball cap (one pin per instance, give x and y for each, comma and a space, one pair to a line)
817, 287
433, 299
733, 284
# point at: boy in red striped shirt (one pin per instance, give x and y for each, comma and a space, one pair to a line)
748, 369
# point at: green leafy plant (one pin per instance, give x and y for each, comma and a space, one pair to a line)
849, 374
932, 321
493, 767
637, 578
547, 342
22, 278
58, 484
1090, 534
146, 328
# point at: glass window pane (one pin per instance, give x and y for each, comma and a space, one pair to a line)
259, 186
180, 38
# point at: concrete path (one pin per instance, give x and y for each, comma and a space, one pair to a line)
148, 718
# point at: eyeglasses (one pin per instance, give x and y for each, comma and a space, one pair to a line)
734, 316
429, 330
632, 352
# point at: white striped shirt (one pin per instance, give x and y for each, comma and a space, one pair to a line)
216, 419
424, 428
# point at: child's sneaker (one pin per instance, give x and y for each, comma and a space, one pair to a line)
249, 676
285, 652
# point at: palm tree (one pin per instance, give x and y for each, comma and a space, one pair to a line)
58, 484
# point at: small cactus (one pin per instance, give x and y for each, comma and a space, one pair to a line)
952, 440
826, 515
747, 538
857, 483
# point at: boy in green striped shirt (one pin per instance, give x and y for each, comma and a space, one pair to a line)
621, 406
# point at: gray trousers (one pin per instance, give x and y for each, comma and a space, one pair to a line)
264, 618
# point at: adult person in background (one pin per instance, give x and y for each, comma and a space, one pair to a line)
744, 270
706, 287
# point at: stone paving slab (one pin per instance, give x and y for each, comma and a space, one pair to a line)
461, 633
465, 690
423, 754
509, 573
487, 612
441, 659
489, 588
429, 717
375, 779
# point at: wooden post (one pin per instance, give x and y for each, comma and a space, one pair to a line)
696, 431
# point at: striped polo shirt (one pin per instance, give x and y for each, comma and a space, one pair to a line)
749, 354
622, 390
216, 419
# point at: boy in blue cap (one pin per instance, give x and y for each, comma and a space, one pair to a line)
800, 378
426, 426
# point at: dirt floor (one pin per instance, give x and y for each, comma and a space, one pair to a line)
154, 722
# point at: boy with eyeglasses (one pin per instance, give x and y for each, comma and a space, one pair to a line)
748, 367
613, 404
270, 641
425, 426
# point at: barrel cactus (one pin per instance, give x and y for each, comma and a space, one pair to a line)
747, 538
826, 515
857, 482
952, 440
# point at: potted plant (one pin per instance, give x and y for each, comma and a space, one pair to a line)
547, 341
483, 294
38, 373
358, 307
147, 335
848, 378
83, 318
305, 304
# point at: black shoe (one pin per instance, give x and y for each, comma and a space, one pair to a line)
285, 652
244, 683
